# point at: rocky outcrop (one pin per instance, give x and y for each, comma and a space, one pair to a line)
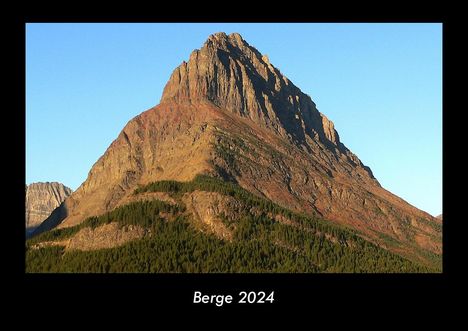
230, 113
207, 209
104, 236
234, 76
41, 200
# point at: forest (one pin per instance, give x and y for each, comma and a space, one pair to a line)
260, 243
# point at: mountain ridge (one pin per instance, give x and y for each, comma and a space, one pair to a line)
258, 90
229, 113
41, 200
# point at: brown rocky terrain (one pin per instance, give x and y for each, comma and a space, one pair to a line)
207, 208
228, 112
41, 200
105, 236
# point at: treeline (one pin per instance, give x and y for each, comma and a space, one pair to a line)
174, 247
260, 245
143, 213
211, 184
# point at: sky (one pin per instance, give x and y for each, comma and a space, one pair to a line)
381, 84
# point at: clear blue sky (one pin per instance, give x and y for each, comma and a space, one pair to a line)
381, 84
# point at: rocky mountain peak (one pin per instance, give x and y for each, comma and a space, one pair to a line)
230, 114
235, 76
222, 40
41, 200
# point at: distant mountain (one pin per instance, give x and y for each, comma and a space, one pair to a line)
41, 200
228, 114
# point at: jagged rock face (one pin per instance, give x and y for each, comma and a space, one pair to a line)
230, 73
230, 113
41, 200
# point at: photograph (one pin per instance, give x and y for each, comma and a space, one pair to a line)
233, 148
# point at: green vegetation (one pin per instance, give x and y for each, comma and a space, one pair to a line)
436, 226
175, 247
225, 153
432, 260
141, 213
260, 244
210, 184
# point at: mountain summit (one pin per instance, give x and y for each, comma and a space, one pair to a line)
41, 200
229, 113
234, 76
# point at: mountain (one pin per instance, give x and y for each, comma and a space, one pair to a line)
228, 113
41, 200
207, 225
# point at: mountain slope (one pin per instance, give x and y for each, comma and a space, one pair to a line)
207, 225
41, 200
231, 114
